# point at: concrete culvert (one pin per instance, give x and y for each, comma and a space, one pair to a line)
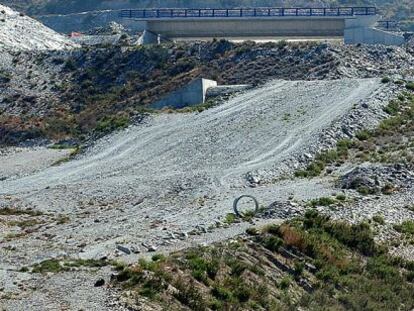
243, 205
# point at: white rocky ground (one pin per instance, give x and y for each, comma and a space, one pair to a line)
164, 185
19, 32
24, 161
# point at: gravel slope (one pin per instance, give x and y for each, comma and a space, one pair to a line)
19, 32
256, 130
163, 185
17, 162
183, 170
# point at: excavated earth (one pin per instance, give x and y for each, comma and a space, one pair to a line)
170, 182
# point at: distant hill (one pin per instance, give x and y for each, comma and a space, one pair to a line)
402, 10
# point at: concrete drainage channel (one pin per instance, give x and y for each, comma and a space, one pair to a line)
242, 214
195, 93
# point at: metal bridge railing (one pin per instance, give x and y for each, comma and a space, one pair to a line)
245, 12
388, 25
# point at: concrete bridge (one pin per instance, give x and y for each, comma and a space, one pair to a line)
355, 24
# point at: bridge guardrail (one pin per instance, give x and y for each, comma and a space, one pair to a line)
246, 12
388, 24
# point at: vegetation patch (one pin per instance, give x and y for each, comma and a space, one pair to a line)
61, 265
97, 91
406, 227
329, 157
385, 80
73, 153
5, 77
379, 219
309, 263
8, 211
390, 143
324, 201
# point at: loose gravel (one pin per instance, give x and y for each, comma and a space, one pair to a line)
169, 183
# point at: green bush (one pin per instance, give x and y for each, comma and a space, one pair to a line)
381, 267
110, 123
324, 201
410, 86
341, 197
385, 80
299, 267
406, 227
152, 287
5, 77
359, 236
158, 257
285, 282
379, 219
363, 135
69, 65
392, 108
221, 293
50, 265
272, 243
189, 295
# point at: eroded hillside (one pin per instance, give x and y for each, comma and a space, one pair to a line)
75, 94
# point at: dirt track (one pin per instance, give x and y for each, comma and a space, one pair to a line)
182, 170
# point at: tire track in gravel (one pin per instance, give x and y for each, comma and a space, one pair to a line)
176, 159
244, 134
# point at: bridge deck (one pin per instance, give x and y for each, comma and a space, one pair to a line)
246, 12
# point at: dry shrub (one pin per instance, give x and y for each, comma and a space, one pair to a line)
292, 237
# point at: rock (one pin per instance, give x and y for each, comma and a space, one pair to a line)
356, 178
376, 177
99, 283
123, 249
152, 248
138, 202
254, 180
308, 156
310, 267
135, 249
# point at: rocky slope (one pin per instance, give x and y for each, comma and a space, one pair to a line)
169, 183
52, 92
75, 94
19, 32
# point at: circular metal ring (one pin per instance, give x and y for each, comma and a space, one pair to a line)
236, 202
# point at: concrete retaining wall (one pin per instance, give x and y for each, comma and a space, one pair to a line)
370, 35
248, 27
362, 30
189, 95
223, 90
